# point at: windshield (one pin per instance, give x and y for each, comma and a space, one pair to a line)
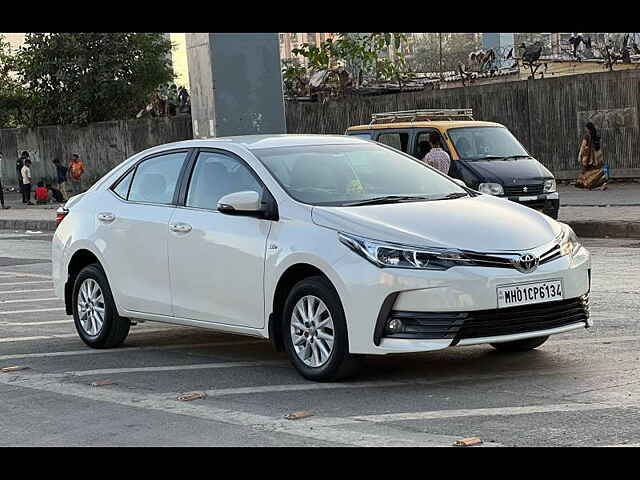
479, 143
349, 174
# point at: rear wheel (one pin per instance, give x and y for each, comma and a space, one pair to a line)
315, 332
94, 311
523, 345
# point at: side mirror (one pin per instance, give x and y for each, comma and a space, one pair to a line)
459, 182
240, 202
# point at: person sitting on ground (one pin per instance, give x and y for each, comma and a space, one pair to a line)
55, 194
42, 194
437, 157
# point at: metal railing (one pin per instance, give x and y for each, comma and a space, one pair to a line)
423, 115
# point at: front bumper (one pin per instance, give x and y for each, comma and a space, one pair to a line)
547, 203
461, 294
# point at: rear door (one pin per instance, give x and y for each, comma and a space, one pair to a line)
132, 226
396, 138
421, 146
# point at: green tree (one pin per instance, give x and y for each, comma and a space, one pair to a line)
456, 48
14, 99
90, 77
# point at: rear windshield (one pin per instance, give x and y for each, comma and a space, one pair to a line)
480, 143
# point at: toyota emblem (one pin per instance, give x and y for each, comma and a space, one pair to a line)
526, 263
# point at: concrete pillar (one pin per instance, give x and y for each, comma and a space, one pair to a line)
236, 84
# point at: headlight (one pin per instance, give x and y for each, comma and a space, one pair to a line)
569, 243
491, 188
399, 256
549, 186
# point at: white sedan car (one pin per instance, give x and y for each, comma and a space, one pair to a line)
330, 246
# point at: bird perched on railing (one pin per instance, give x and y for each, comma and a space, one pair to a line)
532, 52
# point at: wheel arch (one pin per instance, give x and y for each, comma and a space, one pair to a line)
291, 275
80, 259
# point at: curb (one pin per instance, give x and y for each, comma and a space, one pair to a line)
33, 225
605, 229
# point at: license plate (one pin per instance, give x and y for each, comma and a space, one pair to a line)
526, 199
529, 293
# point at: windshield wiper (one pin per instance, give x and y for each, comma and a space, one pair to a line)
386, 199
454, 195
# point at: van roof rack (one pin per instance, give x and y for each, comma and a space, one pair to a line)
428, 115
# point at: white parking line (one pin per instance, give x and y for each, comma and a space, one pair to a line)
484, 412
73, 335
31, 324
23, 274
90, 351
27, 300
24, 283
204, 411
175, 368
26, 291
34, 310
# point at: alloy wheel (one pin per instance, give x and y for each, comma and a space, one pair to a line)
312, 332
91, 307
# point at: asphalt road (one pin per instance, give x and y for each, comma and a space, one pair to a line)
581, 388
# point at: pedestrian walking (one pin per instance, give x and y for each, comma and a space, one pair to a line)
61, 174
26, 182
76, 169
437, 157
2, 205
591, 159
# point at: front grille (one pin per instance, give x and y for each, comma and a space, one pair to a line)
489, 323
518, 190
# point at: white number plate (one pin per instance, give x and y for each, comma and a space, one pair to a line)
528, 293
525, 199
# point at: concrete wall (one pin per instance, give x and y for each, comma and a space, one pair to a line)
546, 115
100, 145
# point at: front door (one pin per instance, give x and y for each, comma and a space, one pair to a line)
217, 260
132, 227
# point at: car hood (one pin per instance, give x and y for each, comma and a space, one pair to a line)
482, 223
506, 171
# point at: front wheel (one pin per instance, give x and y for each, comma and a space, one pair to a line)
314, 332
523, 345
94, 311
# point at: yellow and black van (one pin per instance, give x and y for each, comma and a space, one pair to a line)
484, 155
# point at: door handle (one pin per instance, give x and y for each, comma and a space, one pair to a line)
106, 217
180, 227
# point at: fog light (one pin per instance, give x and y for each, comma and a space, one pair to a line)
395, 326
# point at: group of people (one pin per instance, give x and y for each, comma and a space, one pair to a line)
45, 192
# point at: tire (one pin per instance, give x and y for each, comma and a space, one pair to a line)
114, 329
317, 292
523, 345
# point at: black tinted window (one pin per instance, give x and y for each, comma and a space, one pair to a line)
155, 179
216, 175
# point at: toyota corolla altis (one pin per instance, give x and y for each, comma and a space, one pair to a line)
332, 247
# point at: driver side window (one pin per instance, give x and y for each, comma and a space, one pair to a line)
216, 175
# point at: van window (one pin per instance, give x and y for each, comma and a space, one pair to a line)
364, 136
423, 146
396, 140
479, 143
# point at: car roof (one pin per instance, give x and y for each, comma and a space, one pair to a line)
268, 141
445, 124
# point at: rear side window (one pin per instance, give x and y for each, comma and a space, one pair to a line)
395, 140
155, 179
122, 188
364, 136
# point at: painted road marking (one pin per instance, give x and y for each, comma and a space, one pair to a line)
23, 274
34, 310
90, 351
25, 291
74, 335
24, 283
30, 324
204, 411
172, 368
27, 300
